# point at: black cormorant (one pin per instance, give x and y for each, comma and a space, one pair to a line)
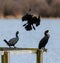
44, 40
31, 20
12, 41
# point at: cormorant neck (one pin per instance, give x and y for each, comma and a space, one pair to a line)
46, 34
17, 35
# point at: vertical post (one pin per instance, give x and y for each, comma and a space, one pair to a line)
5, 57
39, 56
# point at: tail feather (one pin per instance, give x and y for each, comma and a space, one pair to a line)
6, 42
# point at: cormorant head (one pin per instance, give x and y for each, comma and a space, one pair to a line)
17, 32
46, 32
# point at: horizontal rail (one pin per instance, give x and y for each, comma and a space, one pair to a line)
18, 50
6, 48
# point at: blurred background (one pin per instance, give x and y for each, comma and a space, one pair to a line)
16, 8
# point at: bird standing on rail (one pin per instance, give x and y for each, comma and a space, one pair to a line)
44, 40
12, 41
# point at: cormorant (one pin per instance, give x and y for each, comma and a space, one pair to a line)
31, 20
12, 41
44, 40
36, 20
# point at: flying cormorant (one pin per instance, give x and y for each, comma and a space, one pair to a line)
12, 41
31, 20
44, 40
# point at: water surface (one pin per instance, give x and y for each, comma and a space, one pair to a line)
30, 39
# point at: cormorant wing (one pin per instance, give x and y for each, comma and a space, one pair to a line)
43, 42
13, 41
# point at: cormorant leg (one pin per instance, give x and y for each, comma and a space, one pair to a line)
14, 47
44, 49
33, 27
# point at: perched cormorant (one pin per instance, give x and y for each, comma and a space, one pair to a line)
12, 41
44, 40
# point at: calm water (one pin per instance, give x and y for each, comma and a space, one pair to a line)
30, 39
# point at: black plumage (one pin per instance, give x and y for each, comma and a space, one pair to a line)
44, 40
12, 41
31, 20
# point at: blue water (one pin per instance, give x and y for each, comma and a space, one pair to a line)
30, 39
